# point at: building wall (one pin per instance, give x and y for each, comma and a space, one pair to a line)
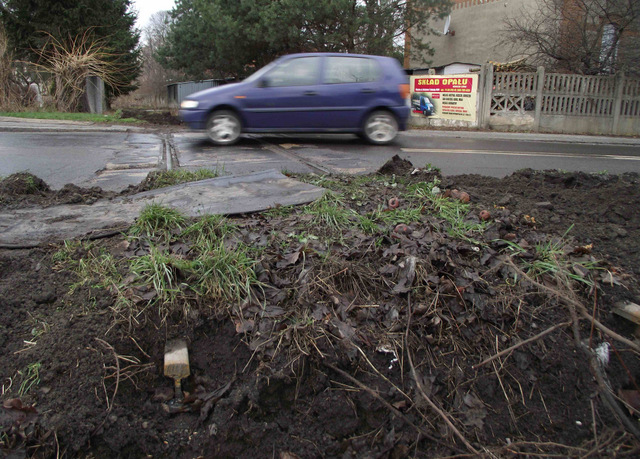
478, 28
457, 68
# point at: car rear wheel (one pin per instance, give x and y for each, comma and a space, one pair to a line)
380, 127
224, 127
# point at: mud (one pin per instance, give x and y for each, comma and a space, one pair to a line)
24, 189
159, 117
294, 374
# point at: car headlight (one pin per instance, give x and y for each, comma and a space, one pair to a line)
189, 104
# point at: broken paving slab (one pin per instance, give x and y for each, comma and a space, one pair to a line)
229, 195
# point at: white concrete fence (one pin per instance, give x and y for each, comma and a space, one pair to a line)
553, 102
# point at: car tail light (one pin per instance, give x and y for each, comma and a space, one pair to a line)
404, 90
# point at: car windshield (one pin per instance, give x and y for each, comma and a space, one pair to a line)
259, 73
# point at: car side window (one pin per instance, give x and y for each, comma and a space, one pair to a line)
295, 72
350, 70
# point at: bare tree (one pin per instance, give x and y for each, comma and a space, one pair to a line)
579, 36
154, 77
17, 89
7, 91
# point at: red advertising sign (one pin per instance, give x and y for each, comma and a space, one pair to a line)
452, 97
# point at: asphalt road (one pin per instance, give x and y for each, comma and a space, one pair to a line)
114, 157
111, 160
495, 155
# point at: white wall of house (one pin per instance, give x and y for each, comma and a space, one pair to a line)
475, 33
458, 68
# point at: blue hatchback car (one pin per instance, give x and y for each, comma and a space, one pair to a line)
311, 93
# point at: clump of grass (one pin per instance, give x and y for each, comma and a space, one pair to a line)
224, 273
98, 269
396, 216
279, 211
368, 225
40, 327
93, 266
66, 252
159, 270
422, 190
208, 228
156, 218
452, 211
353, 187
330, 212
215, 269
30, 378
172, 177
550, 259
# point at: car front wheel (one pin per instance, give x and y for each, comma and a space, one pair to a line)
380, 127
224, 127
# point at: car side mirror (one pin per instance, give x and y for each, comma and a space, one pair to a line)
264, 83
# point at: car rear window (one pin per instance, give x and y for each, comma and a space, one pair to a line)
350, 70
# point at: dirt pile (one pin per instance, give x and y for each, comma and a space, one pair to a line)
383, 320
24, 189
22, 183
160, 117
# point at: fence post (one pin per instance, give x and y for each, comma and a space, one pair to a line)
617, 101
486, 94
480, 102
539, 89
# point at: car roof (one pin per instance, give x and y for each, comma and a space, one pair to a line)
287, 56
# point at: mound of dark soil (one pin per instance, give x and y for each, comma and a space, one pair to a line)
595, 209
24, 189
396, 166
358, 343
22, 183
161, 117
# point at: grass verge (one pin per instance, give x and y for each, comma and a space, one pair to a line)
60, 116
163, 179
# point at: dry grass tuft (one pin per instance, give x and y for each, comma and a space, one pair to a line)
71, 62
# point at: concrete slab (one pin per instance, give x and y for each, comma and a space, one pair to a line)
224, 195
116, 179
250, 155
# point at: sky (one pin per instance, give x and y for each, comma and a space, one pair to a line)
146, 8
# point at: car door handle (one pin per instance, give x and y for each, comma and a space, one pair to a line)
367, 90
310, 93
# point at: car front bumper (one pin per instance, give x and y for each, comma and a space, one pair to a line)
195, 119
